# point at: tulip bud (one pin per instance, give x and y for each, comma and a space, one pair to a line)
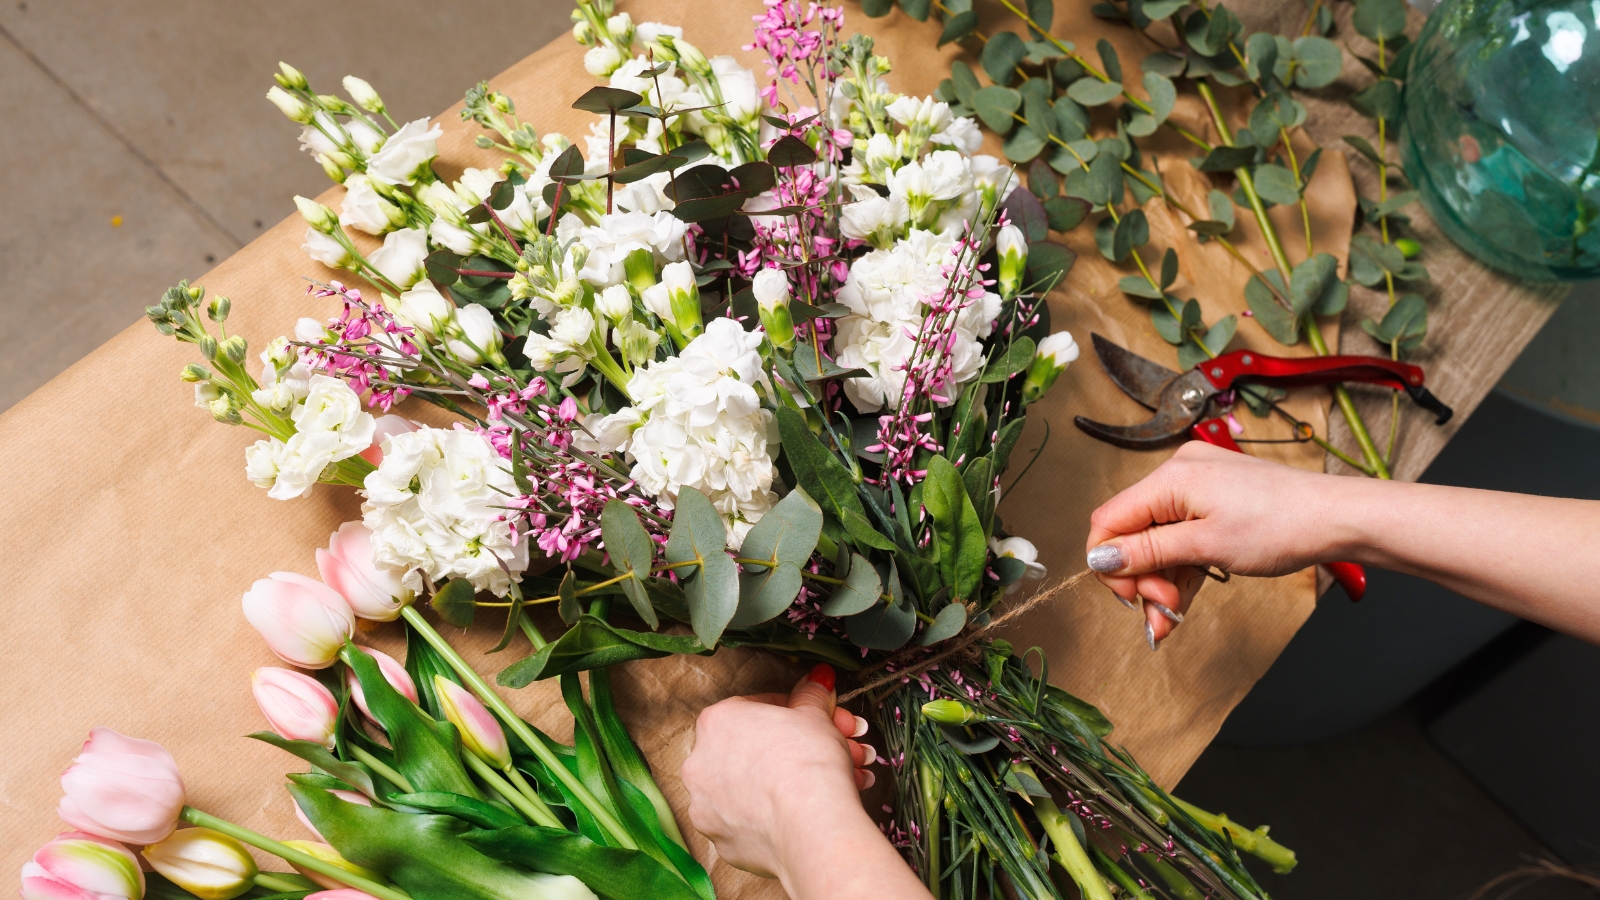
206, 863
771, 288
304, 621
1011, 245
208, 347
347, 796
296, 109
194, 372
1049, 361
329, 855
393, 672
480, 732
235, 348
297, 706
122, 788
219, 308
80, 866
316, 215
952, 712
374, 591
363, 94
290, 77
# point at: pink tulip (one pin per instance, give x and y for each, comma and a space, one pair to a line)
347, 796
304, 621
393, 672
80, 866
297, 706
480, 731
388, 426
122, 788
373, 591
340, 894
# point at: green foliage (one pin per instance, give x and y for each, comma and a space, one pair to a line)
1276, 184
947, 624
426, 752
860, 590
1379, 19
632, 554
1317, 62
962, 546
711, 585
1404, 325
592, 644
1279, 321
454, 602
785, 537
610, 871
1001, 56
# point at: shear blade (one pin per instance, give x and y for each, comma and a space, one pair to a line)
1162, 429
1138, 377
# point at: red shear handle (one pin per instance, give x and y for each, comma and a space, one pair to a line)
1223, 371
1215, 432
1351, 577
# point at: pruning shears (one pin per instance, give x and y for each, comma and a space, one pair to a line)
1182, 402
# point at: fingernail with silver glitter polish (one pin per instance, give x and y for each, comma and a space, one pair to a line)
1106, 558
1124, 600
1174, 615
1150, 635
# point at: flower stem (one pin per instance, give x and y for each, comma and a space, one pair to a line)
527, 791
1256, 843
382, 768
289, 854
273, 883
1069, 852
1347, 406
537, 814
576, 787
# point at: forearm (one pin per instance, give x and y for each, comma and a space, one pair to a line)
834, 856
1533, 557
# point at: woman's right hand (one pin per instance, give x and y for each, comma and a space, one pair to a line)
1212, 507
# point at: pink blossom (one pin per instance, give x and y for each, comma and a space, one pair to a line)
122, 788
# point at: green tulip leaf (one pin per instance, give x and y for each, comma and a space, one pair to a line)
426, 752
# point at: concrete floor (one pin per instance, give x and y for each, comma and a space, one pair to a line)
140, 151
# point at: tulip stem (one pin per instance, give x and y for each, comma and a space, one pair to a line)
537, 814
570, 781
382, 768
273, 883
527, 790
289, 854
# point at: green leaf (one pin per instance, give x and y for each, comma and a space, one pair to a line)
699, 536
568, 607
978, 476
786, 535
1221, 334
1276, 184
1023, 145
1131, 233
1001, 56
789, 151
1261, 56
1370, 259
966, 83
1226, 159
860, 590
1166, 324
1168, 64
1109, 60
917, 9
1042, 181
422, 663
454, 602
1379, 19
702, 209
970, 745
1364, 148
876, 9
1379, 100
1139, 286
947, 624
826, 479
593, 644
958, 27
1163, 96
644, 169
1278, 321
1169, 268
1065, 213
863, 532
1276, 110
1312, 281
1048, 264
995, 105
1008, 569
884, 626
426, 752
473, 812
1405, 324
423, 854
613, 872
1317, 62
632, 554
1094, 92
1072, 124
606, 100
1014, 359
1221, 207
322, 758
963, 549
1395, 203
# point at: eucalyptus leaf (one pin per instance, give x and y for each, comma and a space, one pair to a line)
1001, 56
861, 589
965, 82
1109, 61
632, 554
995, 105
1065, 213
1226, 159
1169, 268
947, 624
958, 27
1023, 145
593, 644
785, 536
1379, 100
1312, 280
1048, 264
454, 602
1163, 95
1093, 92
1265, 308
604, 100
883, 626
1261, 56
1379, 19
1276, 184
699, 536
1318, 62
971, 745
1139, 286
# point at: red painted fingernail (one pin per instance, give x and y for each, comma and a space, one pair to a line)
822, 674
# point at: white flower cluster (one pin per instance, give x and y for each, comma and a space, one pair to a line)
468, 333
697, 422
887, 292
436, 508
329, 422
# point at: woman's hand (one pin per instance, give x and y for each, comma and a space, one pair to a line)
1211, 507
773, 782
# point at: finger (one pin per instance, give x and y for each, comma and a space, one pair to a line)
1152, 549
1168, 596
1121, 587
849, 724
1136, 508
815, 691
770, 699
865, 779
861, 754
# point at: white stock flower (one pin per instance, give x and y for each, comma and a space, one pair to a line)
435, 507
476, 324
602, 59
425, 309
326, 249
962, 134
261, 462
331, 426
1020, 549
402, 256
285, 379
874, 219
1059, 348
364, 209
619, 234
406, 153
697, 422
615, 303
740, 92
771, 288
923, 112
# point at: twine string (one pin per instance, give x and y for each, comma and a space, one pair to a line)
963, 641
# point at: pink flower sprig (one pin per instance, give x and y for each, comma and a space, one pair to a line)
796, 52
354, 355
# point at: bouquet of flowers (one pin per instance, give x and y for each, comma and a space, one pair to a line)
745, 369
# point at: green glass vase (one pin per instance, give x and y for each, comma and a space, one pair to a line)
1502, 132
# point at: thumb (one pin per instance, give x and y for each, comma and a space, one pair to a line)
1152, 549
815, 691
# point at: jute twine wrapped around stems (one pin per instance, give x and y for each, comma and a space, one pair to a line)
960, 643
